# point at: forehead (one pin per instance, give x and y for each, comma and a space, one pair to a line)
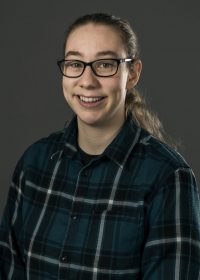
91, 39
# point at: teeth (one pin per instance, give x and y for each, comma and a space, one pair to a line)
90, 99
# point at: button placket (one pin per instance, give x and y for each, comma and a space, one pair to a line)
74, 211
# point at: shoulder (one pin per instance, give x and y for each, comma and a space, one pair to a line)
42, 150
157, 168
39, 154
156, 150
153, 161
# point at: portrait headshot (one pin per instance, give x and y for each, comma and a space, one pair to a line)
99, 141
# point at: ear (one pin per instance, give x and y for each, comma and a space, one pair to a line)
134, 74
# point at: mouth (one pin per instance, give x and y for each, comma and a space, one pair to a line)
90, 100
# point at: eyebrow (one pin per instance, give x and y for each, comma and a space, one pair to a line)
111, 53
98, 54
76, 53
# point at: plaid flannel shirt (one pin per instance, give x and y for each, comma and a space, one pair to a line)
131, 213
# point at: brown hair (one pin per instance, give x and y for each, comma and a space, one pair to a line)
135, 104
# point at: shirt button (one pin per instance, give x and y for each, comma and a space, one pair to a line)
85, 173
64, 258
74, 217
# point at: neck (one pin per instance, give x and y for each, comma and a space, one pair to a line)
95, 139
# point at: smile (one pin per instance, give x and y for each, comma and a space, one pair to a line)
90, 99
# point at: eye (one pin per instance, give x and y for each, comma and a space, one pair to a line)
105, 64
73, 64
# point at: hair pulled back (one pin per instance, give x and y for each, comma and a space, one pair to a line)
135, 105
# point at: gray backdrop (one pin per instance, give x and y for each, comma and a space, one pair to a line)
31, 40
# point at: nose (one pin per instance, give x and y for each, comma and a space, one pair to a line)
88, 79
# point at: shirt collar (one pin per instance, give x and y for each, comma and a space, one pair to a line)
118, 150
70, 138
124, 142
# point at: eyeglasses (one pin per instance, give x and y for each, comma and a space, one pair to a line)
101, 67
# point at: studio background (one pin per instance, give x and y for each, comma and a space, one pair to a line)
31, 100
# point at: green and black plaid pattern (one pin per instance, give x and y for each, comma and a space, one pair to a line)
132, 213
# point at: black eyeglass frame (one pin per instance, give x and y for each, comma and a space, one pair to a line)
118, 60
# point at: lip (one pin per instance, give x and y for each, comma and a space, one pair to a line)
90, 104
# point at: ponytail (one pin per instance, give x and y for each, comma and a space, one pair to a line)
136, 107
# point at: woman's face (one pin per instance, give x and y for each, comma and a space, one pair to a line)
97, 101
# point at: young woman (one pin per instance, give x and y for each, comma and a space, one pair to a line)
106, 198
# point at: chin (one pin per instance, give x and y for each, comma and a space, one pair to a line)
91, 121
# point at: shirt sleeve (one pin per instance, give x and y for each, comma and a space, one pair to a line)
172, 246
12, 265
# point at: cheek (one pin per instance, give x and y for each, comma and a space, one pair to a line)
119, 88
64, 85
66, 88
